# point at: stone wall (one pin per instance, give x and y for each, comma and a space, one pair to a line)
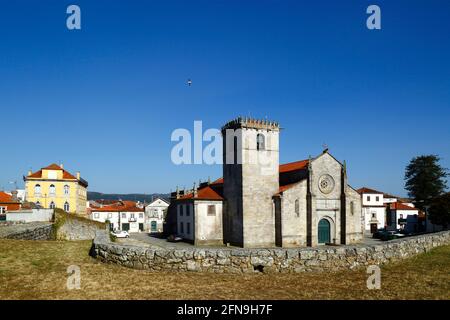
71, 227
238, 260
28, 231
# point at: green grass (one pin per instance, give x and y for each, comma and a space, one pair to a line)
37, 270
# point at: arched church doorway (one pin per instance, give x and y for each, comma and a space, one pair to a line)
324, 231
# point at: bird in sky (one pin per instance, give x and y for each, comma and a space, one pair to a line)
189, 82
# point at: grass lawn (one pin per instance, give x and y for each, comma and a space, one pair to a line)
37, 270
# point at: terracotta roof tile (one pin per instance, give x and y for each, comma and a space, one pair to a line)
121, 206
66, 175
368, 190
206, 193
401, 206
293, 166
6, 198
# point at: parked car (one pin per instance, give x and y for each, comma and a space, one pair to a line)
378, 233
120, 234
174, 238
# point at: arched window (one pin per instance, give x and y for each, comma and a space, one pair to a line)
37, 189
52, 205
66, 206
260, 142
66, 190
52, 190
38, 204
297, 208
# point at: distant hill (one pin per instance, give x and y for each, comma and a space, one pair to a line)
130, 197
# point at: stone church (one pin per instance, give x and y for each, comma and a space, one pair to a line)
260, 203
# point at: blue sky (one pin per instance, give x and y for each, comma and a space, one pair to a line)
105, 99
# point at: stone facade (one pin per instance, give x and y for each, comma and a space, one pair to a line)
251, 178
265, 204
273, 260
28, 231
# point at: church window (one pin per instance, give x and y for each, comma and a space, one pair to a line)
297, 208
66, 207
260, 142
37, 189
52, 190
211, 210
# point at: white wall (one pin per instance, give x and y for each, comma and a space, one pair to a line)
117, 221
370, 199
208, 227
184, 220
155, 211
380, 215
33, 215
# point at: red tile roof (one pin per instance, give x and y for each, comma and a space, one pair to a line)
293, 166
218, 181
121, 206
401, 206
6, 198
368, 190
206, 193
66, 175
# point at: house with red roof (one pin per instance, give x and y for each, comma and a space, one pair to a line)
260, 203
383, 210
121, 215
54, 187
8, 202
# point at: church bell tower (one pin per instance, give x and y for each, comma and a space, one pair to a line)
251, 179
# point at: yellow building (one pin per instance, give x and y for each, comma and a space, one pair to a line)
54, 187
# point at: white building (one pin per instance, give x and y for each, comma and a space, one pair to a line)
199, 214
403, 216
31, 215
374, 209
123, 215
155, 212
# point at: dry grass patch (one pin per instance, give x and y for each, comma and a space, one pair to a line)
37, 270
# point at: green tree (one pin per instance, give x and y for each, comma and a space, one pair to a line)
439, 211
425, 179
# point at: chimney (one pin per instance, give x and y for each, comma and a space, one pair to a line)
29, 172
61, 165
78, 175
14, 195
